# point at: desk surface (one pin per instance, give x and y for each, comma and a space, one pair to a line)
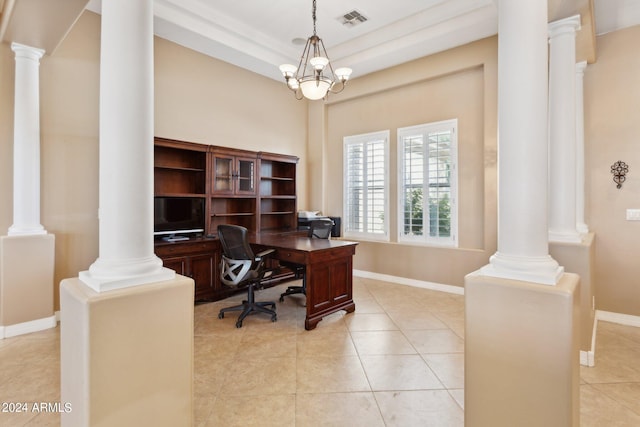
298, 243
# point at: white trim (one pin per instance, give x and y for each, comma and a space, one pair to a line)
622, 319
28, 327
588, 358
57, 314
458, 290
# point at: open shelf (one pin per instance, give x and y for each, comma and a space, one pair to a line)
179, 170
277, 176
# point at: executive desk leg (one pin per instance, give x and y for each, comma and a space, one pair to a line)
312, 321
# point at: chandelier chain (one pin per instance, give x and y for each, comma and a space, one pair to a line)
313, 16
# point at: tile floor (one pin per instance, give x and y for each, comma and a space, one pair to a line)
396, 361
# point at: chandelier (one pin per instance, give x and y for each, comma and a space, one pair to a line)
314, 77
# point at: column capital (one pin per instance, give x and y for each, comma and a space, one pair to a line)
29, 52
580, 67
564, 26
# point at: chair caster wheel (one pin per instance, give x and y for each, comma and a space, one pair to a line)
281, 299
220, 315
274, 318
238, 324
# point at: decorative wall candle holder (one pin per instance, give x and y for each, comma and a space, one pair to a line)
619, 170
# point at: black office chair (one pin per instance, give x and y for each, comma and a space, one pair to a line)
318, 229
240, 267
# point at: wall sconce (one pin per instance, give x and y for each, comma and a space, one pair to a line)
619, 170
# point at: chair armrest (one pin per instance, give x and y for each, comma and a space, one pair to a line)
264, 253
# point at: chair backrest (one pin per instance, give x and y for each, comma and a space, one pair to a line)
235, 243
320, 228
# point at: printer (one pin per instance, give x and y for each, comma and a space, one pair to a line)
304, 217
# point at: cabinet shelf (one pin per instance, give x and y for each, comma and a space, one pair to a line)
276, 178
181, 169
277, 213
162, 194
280, 197
233, 214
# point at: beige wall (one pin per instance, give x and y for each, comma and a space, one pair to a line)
7, 72
204, 100
197, 99
460, 83
612, 133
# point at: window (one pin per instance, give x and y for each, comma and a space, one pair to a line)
427, 184
366, 178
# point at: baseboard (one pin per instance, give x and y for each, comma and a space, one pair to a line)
622, 319
588, 358
459, 290
28, 327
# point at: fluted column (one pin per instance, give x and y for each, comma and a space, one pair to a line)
581, 225
26, 143
523, 150
562, 130
126, 257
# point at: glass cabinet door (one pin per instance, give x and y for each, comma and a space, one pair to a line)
234, 175
246, 176
223, 174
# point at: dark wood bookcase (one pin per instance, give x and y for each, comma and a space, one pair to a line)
256, 190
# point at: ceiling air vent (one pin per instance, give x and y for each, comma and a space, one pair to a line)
353, 18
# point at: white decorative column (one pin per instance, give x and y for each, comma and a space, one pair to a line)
581, 225
522, 146
126, 257
27, 253
126, 338
26, 144
562, 130
515, 325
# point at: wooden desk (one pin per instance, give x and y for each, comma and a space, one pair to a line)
329, 270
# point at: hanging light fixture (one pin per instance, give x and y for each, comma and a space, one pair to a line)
314, 77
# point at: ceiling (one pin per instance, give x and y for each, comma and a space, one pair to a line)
258, 35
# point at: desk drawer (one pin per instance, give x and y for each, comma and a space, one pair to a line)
290, 256
186, 248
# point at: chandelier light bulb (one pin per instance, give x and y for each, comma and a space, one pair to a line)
293, 84
319, 62
288, 70
343, 73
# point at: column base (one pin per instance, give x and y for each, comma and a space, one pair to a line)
127, 355
521, 352
21, 231
544, 270
26, 284
105, 276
